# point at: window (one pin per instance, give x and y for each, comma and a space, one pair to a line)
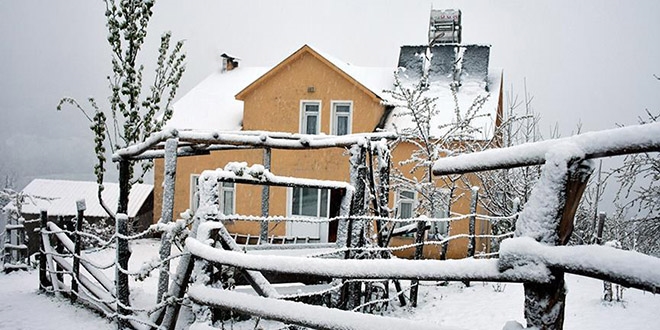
405, 200
310, 202
227, 198
194, 192
341, 117
310, 117
226, 194
405, 208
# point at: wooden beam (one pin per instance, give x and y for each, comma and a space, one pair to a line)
612, 142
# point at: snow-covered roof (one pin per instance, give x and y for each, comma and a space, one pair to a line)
446, 105
59, 197
376, 79
211, 104
466, 68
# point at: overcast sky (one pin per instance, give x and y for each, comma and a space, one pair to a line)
589, 61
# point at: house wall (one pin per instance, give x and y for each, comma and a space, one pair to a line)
457, 248
274, 105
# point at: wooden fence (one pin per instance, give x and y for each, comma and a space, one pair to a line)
536, 256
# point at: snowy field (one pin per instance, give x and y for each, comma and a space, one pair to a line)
480, 306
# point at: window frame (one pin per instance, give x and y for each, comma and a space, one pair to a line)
323, 229
398, 199
335, 116
413, 205
303, 116
222, 189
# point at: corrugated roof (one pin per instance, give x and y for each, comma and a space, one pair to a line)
59, 197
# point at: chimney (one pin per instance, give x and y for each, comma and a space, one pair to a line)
228, 62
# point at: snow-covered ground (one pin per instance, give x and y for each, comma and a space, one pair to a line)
480, 306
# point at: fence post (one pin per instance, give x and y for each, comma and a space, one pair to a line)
43, 279
419, 253
265, 201
599, 231
358, 174
446, 211
474, 196
59, 248
167, 215
607, 286
123, 254
562, 181
81, 207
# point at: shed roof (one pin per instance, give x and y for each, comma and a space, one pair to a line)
59, 197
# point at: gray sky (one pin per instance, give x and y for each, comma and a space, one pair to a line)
589, 61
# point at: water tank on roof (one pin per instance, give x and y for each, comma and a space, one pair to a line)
445, 26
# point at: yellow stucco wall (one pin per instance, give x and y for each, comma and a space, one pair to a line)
457, 248
274, 105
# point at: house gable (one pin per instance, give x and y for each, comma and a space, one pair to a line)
284, 65
274, 101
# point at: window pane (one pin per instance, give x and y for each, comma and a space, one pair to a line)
228, 202
405, 194
295, 207
195, 201
311, 107
310, 199
342, 125
323, 209
228, 184
310, 127
405, 210
194, 192
345, 108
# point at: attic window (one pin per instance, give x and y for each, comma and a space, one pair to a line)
342, 112
310, 117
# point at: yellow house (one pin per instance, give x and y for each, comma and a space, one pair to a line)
309, 92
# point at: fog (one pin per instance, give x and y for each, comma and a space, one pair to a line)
586, 61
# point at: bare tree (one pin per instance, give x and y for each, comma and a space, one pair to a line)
637, 219
506, 190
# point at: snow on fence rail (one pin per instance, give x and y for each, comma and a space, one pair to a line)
316, 317
431, 270
198, 142
612, 142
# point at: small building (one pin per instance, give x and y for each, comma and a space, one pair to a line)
58, 198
